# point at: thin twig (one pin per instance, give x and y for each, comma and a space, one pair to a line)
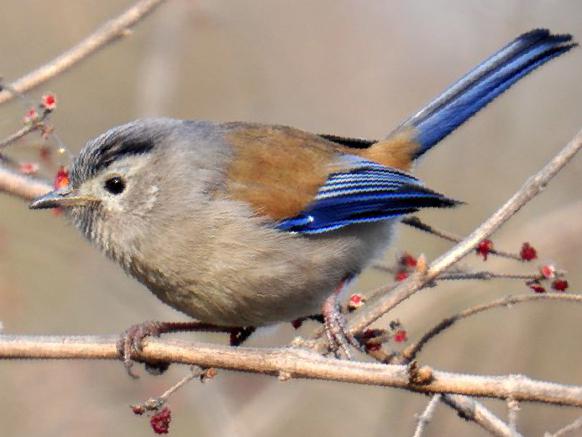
106, 34
25, 130
487, 276
417, 223
196, 372
153, 404
574, 426
21, 186
299, 363
411, 352
470, 409
426, 416
513, 412
482, 275
467, 408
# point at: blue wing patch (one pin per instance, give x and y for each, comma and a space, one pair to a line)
363, 192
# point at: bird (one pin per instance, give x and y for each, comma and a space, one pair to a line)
240, 225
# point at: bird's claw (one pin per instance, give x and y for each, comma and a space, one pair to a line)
131, 342
339, 337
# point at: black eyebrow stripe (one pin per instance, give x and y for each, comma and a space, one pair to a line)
108, 155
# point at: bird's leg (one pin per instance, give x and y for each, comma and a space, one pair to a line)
338, 336
239, 335
131, 340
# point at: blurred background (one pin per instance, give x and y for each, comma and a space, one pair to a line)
330, 66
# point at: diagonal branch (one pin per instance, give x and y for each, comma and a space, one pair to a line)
426, 416
470, 409
416, 223
22, 132
106, 34
568, 429
21, 186
382, 301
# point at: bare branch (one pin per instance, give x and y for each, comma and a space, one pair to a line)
426, 416
413, 349
574, 426
513, 412
458, 275
106, 34
417, 223
470, 409
298, 363
23, 187
21, 133
153, 404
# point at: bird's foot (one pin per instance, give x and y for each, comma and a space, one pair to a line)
339, 337
131, 342
239, 335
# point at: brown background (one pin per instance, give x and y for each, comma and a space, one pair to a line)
347, 67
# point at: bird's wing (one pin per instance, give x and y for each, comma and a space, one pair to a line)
308, 184
362, 192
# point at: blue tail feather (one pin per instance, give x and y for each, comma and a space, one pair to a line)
483, 84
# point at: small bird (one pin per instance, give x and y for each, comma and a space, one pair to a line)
240, 225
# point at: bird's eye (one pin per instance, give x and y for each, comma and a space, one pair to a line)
115, 185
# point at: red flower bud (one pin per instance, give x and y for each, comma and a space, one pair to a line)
401, 276
30, 116
483, 248
28, 167
528, 252
548, 271
356, 301
407, 260
49, 102
61, 178
536, 286
560, 284
160, 421
400, 336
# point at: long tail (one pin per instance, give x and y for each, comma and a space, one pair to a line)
481, 85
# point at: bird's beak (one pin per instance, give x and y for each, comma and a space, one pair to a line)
64, 197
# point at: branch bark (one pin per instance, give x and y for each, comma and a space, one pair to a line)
426, 416
293, 362
23, 187
469, 409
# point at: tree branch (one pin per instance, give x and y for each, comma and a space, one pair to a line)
22, 132
417, 223
426, 416
474, 411
23, 187
298, 363
574, 426
106, 34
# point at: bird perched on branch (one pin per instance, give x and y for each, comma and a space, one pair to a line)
244, 225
